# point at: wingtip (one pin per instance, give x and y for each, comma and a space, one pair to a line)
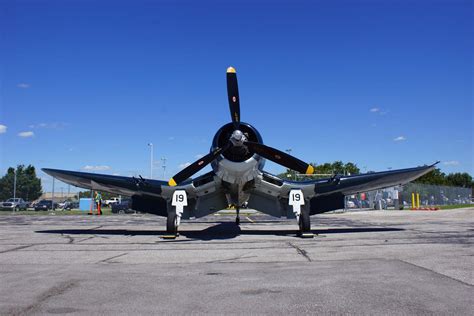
46, 170
172, 183
231, 70
310, 169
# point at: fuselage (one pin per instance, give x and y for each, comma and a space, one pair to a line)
237, 166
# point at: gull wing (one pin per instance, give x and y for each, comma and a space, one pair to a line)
113, 184
270, 194
204, 193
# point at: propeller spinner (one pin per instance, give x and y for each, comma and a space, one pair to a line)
238, 139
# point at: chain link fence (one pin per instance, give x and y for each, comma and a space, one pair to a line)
411, 195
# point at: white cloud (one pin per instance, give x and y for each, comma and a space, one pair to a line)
451, 163
184, 165
26, 134
96, 168
55, 125
374, 110
23, 85
3, 129
399, 139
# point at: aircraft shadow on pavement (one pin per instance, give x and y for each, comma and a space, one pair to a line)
223, 230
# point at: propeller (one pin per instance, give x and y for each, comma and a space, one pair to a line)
197, 165
238, 139
280, 157
233, 96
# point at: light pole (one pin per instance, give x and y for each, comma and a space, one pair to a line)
288, 151
14, 186
151, 160
163, 159
52, 197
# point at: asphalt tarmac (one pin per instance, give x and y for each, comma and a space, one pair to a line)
374, 262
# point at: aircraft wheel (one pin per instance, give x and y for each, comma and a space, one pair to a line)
171, 227
305, 223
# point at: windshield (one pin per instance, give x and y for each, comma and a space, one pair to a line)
13, 200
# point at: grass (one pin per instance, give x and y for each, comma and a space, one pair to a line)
455, 206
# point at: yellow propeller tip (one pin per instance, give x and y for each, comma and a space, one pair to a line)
231, 70
310, 170
172, 183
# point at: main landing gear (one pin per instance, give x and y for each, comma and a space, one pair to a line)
178, 202
296, 200
304, 224
237, 217
172, 224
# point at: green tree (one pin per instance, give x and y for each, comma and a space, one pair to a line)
325, 170
28, 185
459, 179
435, 177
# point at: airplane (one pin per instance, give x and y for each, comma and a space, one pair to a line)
237, 157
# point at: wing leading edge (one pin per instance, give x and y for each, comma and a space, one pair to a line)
113, 184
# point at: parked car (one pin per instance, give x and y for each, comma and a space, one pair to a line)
45, 205
350, 204
125, 206
111, 201
61, 204
69, 205
15, 204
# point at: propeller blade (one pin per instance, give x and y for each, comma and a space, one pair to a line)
197, 165
233, 96
280, 157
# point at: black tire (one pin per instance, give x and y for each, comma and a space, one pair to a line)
171, 227
305, 222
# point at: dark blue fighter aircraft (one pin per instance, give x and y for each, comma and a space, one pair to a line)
237, 178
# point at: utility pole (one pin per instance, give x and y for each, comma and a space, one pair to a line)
163, 159
151, 160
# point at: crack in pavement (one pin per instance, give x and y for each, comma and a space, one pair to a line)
300, 251
435, 272
113, 257
70, 238
35, 308
16, 248
230, 260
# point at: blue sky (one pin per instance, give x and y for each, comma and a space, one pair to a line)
87, 85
